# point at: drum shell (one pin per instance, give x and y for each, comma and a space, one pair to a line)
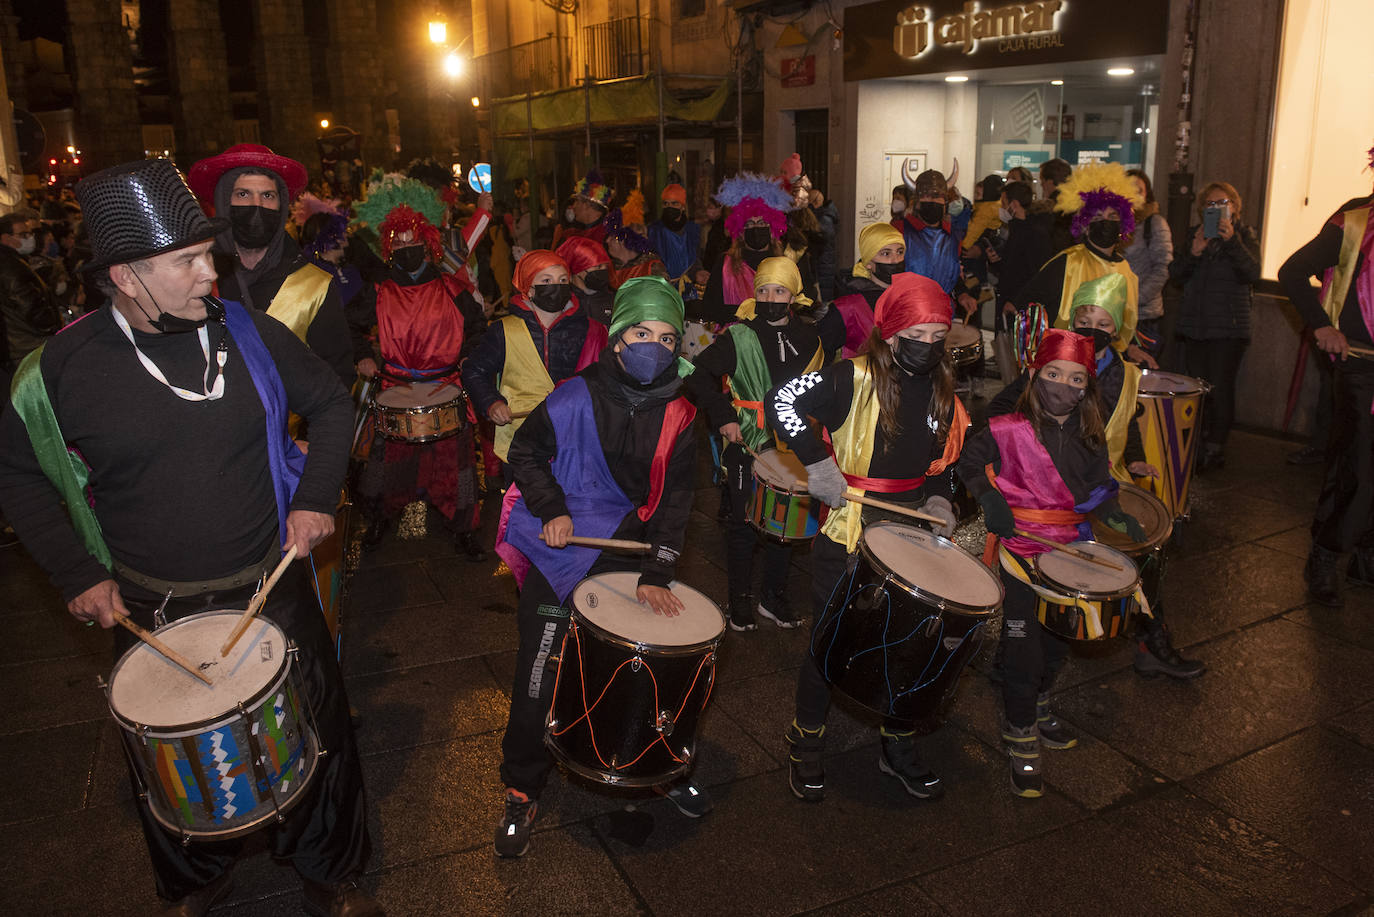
617, 742
1170, 432
965, 354
947, 636
422, 423
1114, 608
784, 513
260, 745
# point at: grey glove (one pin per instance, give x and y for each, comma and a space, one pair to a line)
939, 506
824, 480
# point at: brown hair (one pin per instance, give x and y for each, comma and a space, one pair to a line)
887, 385
736, 253
1091, 428
1229, 190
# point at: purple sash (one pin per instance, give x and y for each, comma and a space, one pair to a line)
595, 501
285, 460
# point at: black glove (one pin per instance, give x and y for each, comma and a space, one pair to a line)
997, 514
1128, 525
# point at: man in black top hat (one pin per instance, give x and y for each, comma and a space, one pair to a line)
144, 463
260, 265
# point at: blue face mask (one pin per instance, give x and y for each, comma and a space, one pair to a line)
645, 360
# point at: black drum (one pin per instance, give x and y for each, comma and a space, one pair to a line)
632, 685
901, 626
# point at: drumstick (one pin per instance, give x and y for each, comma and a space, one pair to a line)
161, 647
610, 544
256, 605
1081, 555
520, 415
1364, 352
860, 497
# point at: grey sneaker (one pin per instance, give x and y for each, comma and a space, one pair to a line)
690, 799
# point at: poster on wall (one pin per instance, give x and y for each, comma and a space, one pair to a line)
798, 71
1067, 126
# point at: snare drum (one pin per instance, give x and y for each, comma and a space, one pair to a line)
1081, 600
632, 684
1170, 428
216, 761
781, 507
421, 412
964, 344
1148, 555
901, 627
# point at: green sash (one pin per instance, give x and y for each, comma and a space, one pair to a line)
748, 385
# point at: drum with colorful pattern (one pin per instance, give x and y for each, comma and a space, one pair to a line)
1170, 428
781, 507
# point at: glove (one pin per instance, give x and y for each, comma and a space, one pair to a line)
825, 481
1125, 523
997, 514
939, 506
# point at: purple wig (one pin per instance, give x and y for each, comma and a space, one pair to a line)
1097, 202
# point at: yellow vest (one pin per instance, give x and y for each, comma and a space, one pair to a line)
1080, 266
524, 381
1333, 297
1119, 423
853, 444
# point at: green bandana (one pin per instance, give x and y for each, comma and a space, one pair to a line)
646, 299
1107, 292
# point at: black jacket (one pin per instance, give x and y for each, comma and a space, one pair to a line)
629, 417
799, 341
1026, 249
1312, 260
1082, 467
1216, 285
1108, 393
28, 312
559, 346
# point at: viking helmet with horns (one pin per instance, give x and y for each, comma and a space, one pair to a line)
931, 181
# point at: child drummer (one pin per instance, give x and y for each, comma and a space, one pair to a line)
1099, 310
733, 375
895, 428
1041, 468
609, 453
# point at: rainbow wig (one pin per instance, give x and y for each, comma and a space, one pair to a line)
397, 204
1095, 188
750, 195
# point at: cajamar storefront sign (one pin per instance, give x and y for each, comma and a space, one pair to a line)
898, 37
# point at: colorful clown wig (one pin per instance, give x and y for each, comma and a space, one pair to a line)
592, 188
1095, 188
750, 195
397, 204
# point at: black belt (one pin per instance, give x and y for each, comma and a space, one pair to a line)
244, 577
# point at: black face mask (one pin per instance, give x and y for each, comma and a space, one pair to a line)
918, 357
674, 218
1058, 398
757, 237
175, 324
1104, 233
772, 311
252, 226
932, 213
598, 281
550, 297
884, 272
409, 259
1101, 338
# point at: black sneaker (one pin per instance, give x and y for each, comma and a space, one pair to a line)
1053, 734
466, 545
742, 613
775, 607
690, 799
898, 759
1325, 574
1155, 655
1023, 747
513, 833
805, 773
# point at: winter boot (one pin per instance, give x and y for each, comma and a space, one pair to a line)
805, 774
1053, 734
1325, 575
1023, 747
899, 759
1155, 655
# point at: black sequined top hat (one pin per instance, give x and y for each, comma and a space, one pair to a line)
140, 209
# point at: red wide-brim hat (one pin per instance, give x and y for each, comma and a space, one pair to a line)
205, 175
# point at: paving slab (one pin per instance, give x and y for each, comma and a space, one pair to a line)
1352, 623
415, 706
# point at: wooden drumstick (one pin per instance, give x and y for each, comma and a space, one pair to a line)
256, 604
520, 415
1081, 555
610, 544
857, 496
1358, 351
161, 647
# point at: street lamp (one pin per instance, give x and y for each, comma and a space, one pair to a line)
453, 64
438, 30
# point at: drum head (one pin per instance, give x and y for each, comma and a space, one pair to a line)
1155, 383
149, 689
419, 394
782, 470
1073, 575
608, 601
961, 335
1154, 517
936, 566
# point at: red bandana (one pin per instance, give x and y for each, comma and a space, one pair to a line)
913, 299
1058, 344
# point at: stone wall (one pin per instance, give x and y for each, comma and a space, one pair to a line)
202, 114
103, 77
355, 74
286, 110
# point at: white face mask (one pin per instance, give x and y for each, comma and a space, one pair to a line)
1004, 214
568, 215
26, 245
898, 206
956, 208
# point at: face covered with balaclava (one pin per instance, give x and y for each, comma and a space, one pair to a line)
254, 202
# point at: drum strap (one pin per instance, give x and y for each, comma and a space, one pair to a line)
1092, 619
247, 575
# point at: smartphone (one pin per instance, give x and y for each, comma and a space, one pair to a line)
1211, 222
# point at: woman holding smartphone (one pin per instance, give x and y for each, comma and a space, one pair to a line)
1216, 268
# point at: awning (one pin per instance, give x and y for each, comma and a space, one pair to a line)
619, 102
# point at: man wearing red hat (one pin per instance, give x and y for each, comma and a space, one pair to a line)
258, 263
895, 429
